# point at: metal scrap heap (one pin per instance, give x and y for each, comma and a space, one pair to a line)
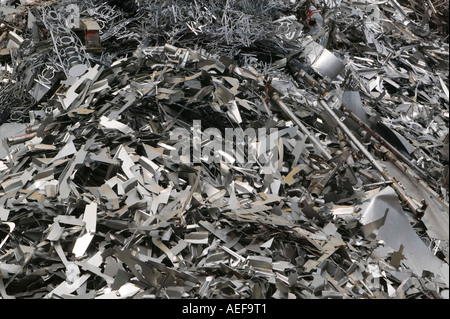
214, 149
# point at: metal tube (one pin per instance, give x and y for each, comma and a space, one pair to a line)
350, 135
302, 127
374, 185
369, 156
20, 139
386, 144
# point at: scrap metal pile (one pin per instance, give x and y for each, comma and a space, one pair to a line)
341, 191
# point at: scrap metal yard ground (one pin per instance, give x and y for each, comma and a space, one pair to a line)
119, 178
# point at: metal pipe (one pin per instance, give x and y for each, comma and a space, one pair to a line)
418, 211
374, 185
20, 139
350, 135
386, 144
302, 127
369, 157
310, 80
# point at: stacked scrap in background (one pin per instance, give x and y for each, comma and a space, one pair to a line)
94, 204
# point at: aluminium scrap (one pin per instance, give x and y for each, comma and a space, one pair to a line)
130, 188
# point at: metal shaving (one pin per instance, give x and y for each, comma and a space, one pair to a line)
210, 149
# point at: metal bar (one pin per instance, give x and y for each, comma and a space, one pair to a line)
302, 127
20, 139
371, 159
386, 144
